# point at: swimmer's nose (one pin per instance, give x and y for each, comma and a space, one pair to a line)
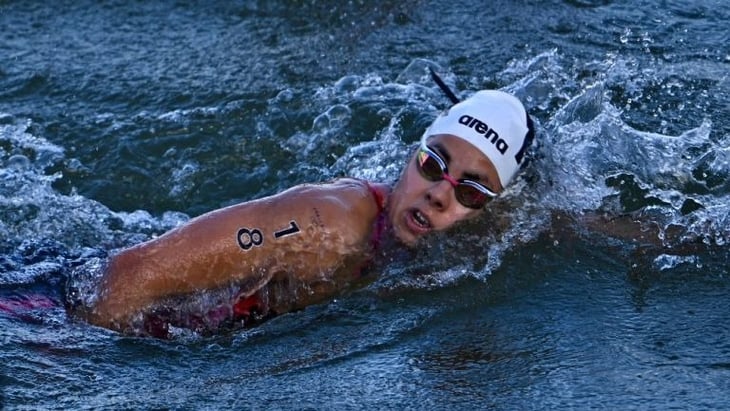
439, 194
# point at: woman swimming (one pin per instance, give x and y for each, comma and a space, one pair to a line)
307, 244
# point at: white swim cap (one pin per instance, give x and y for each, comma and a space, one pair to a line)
494, 122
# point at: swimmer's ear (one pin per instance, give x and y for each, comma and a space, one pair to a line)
450, 94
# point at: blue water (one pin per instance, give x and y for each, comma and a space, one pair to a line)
121, 120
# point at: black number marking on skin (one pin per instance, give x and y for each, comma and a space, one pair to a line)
292, 229
249, 238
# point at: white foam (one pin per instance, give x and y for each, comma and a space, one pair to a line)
32, 209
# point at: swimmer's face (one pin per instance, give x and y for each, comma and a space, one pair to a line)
418, 206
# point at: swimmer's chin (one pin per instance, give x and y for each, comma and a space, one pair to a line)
408, 239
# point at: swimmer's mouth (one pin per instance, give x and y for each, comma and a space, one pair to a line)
421, 220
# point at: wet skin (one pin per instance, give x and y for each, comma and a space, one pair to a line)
418, 206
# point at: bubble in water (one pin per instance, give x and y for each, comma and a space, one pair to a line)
18, 162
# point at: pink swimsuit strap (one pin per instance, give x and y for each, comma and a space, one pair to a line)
379, 195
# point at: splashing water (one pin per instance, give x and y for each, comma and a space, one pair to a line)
586, 147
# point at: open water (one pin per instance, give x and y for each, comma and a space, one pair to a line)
122, 119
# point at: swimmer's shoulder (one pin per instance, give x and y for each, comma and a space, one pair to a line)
359, 187
362, 195
346, 205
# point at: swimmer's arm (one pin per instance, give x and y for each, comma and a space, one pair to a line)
630, 227
307, 227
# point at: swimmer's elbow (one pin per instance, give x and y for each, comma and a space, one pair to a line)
103, 315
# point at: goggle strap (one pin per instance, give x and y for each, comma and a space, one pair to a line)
450, 94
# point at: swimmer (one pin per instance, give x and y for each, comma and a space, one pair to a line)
305, 245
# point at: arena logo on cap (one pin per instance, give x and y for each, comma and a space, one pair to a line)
489, 133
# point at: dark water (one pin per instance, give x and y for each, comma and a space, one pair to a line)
120, 120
